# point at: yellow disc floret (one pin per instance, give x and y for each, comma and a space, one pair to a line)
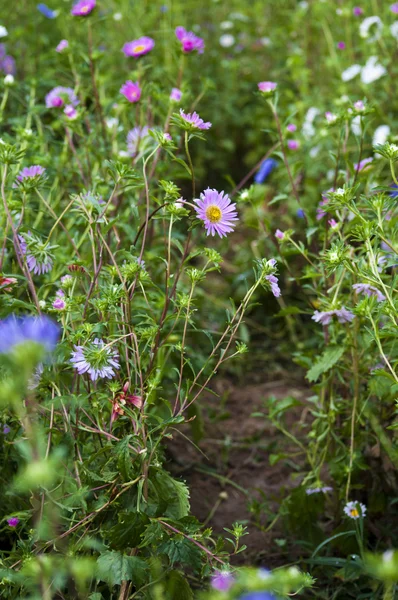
213, 213
354, 513
139, 48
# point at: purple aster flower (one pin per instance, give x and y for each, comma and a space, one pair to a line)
138, 47
194, 120
291, 127
341, 45
131, 91
267, 86
83, 8
176, 95
189, 41
394, 8
8, 65
18, 330
293, 144
96, 359
222, 581
59, 304
37, 264
266, 168
324, 317
363, 164
275, 289
279, 234
320, 213
13, 521
6, 429
135, 137
368, 290
46, 12
217, 212
257, 596
70, 111
30, 172
357, 11
61, 95
63, 44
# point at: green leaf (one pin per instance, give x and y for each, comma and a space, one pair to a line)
172, 496
124, 462
181, 550
178, 587
328, 359
115, 567
127, 532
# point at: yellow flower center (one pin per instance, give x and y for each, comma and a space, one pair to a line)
84, 9
354, 512
139, 48
213, 213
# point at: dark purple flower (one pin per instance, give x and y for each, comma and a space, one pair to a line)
189, 41
13, 521
266, 168
45, 11
83, 8
222, 581
19, 330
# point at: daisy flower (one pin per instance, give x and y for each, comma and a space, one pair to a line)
217, 212
355, 510
83, 8
131, 91
138, 47
194, 120
96, 359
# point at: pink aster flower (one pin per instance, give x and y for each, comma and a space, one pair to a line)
59, 303
194, 120
293, 144
394, 8
83, 8
60, 96
357, 11
30, 172
291, 127
138, 47
267, 86
324, 317
176, 95
341, 45
131, 91
368, 290
13, 521
96, 359
70, 111
279, 234
63, 44
333, 224
222, 581
189, 41
217, 212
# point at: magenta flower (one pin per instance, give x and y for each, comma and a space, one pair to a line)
279, 234
95, 359
194, 120
368, 290
222, 581
59, 303
324, 317
83, 8
267, 86
333, 224
293, 144
341, 45
13, 521
394, 8
138, 47
70, 111
60, 96
189, 41
63, 44
30, 172
135, 137
357, 11
131, 91
217, 212
176, 95
291, 127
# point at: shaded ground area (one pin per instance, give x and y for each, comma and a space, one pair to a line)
229, 473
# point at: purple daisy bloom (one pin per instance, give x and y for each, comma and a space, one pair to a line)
63, 44
59, 96
176, 95
96, 359
83, 8
134, 138
324, 317
194, 120
222, 581
368, 290
189, 41
30, 172
13, 521
266, 168
131, 91
35, 265
18, 330
217, 212
138, 47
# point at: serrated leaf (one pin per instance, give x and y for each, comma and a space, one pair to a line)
115, 567
328, 359
170, 495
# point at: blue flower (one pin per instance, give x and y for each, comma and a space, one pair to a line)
300, 213
258, 596
18, 330
394, 192
266, 168
47, 12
